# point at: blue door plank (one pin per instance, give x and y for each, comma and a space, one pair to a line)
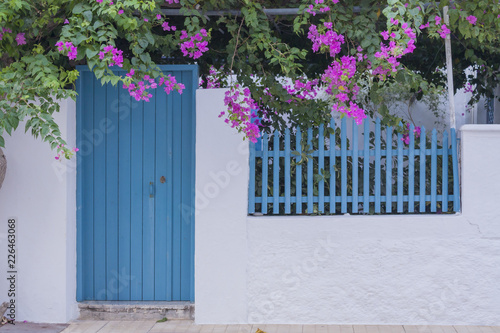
287, 172
355, 150
276, 173
87, 185
187, 187
434, 171
149, 187
169, 184
137, 193
444, 184
333, 156
124, 202
366, 168
411, 171
388, 171
298, 172
112, 272
177, 195
343, 163
100, 123
161, 198
422, 190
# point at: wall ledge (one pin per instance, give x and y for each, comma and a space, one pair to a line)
480, 128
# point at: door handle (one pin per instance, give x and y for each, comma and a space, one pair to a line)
151, 190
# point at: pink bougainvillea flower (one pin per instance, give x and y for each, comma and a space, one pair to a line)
146, 20
120, 12
172, 1
472, 19
20, 39
100, 1
158, 17
66, 21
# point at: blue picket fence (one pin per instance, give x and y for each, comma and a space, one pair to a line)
321, 171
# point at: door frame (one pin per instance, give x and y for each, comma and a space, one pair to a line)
80, 177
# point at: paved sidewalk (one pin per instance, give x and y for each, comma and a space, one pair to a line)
185, 326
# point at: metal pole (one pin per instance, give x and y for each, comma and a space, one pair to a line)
449, 70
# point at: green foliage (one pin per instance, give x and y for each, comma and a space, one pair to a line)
256, 48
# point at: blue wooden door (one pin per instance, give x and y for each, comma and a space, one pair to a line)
135, 191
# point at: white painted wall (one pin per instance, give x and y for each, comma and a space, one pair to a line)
411, 269
221, 209
41, 195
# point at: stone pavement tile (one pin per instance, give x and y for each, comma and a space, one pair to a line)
219, 329
340, 329
85, 326
21, 327
137, 326
417, 329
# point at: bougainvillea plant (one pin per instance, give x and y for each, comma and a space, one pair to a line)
281, 69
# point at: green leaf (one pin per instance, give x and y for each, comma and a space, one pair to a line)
78, 8
91, 53
88, 15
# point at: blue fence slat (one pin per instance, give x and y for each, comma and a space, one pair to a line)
298, 172
366, 168
251, 181
355, 150
343, 165
388, 171
321, 166
265, 165
422, 191
456, 186
309, 174
400, 173
377, 166
433, 170
411, 171
444, 178
287, 172
333, 185
276, 173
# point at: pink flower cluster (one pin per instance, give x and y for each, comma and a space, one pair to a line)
330, 39
443, 29
172, 1
468, 88
167, 27
4, 31
194, 46
353, 111
116, 55
213, 78
61, 152
303, 90
139, 90
396, 48
240, 113
472, 19
319, 5
406, 135
68, 46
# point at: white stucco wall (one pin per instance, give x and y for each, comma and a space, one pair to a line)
40, 193
411, 269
